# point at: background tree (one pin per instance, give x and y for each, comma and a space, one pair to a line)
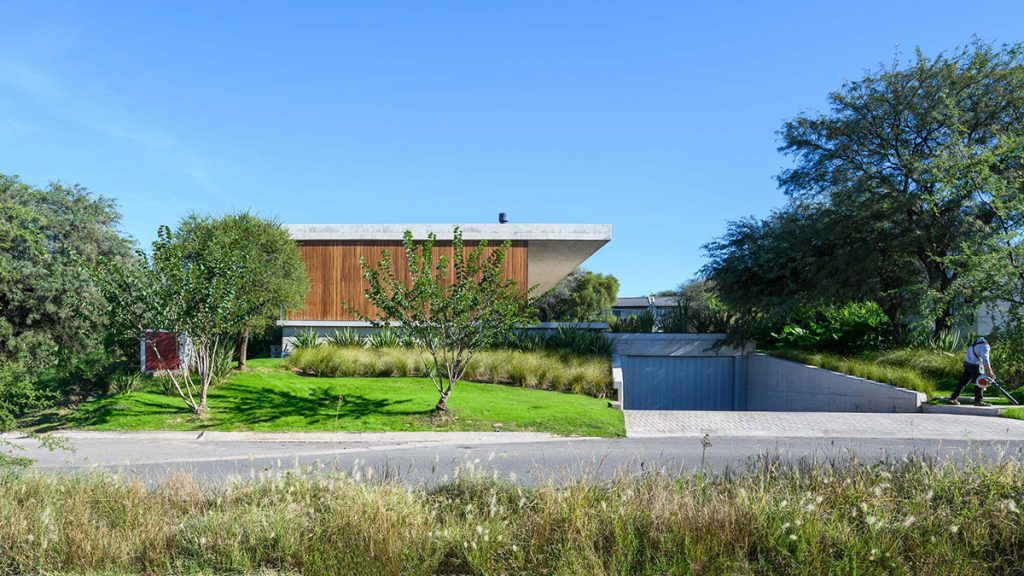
265, 254
871, 212
451, 307
50, 307
582, 296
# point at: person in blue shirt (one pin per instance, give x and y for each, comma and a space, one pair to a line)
976, 360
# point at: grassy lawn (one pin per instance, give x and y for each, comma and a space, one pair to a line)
271, 398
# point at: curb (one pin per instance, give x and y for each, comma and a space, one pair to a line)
308, 437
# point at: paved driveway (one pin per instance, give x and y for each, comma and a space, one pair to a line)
651, 423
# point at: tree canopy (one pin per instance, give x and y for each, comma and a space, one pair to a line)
873, 212
582, 296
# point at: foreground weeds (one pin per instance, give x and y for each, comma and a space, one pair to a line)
901, 517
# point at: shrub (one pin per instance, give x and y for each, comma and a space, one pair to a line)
580, 341
383, 338
306, 339
855, 326
124, 381
547, 369
345, 337
223, 363
643, 322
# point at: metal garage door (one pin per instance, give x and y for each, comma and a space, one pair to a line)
666, 383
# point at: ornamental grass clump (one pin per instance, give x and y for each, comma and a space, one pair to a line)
544, 369
904, 516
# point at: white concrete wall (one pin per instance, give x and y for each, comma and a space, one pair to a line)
775, 385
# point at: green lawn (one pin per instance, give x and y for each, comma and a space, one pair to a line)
272, 399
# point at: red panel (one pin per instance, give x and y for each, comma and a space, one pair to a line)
167, 344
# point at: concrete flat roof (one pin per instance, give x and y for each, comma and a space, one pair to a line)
592, 232
554, 249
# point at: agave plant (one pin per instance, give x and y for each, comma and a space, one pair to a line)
343, 338
306, 339
384, 338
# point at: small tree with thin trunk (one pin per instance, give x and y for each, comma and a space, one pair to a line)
200, 283
451, 307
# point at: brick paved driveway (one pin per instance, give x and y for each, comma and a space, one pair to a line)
648, 423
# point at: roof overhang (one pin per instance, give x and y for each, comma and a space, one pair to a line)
554, 249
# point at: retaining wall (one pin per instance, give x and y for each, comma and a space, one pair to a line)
775, 385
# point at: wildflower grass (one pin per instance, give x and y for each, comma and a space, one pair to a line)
903, 516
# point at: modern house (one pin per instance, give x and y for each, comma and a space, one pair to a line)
541, 255
632, 306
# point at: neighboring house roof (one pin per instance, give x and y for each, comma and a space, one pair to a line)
646, 302
554, 250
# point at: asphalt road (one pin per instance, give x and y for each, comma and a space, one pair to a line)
527, 462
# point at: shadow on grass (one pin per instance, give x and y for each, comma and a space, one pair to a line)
316, 406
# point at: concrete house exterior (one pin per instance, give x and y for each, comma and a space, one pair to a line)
540, 256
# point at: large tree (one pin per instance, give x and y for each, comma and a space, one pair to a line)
450, 307
263, 252
582, 296
50, 238
872, 213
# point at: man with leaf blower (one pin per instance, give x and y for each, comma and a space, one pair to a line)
976, 363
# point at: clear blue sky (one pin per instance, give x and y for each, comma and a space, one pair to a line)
656, 117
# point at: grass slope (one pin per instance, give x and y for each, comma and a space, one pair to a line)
270, 398
933, 372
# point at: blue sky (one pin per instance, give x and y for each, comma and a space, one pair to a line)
659, 118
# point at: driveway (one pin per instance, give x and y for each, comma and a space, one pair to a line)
655, 423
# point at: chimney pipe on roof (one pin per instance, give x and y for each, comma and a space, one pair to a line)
502, 218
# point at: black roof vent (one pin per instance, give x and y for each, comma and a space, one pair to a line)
502, 218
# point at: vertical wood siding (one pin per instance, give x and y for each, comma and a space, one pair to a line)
335, 277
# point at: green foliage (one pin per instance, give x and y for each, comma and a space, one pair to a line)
579, 341
261, 251
222, 364
898, 516
698, 309
383, 338
1007, 354
344, 337
452, 307
198, 282
903, 233
855, 326
643, 322
306, 339
582, 296
563, 370
124, 381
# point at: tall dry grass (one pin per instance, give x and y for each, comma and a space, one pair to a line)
901, 517
545, 369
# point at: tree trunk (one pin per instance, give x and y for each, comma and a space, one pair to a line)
243, 345
442, 404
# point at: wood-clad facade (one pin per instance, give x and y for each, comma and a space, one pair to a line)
335, 277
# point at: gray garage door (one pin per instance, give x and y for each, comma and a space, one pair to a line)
666, 383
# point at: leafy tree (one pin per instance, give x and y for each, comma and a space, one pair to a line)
582, 296
452, 307
263, 252
199, 283
49, 240
872, 214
